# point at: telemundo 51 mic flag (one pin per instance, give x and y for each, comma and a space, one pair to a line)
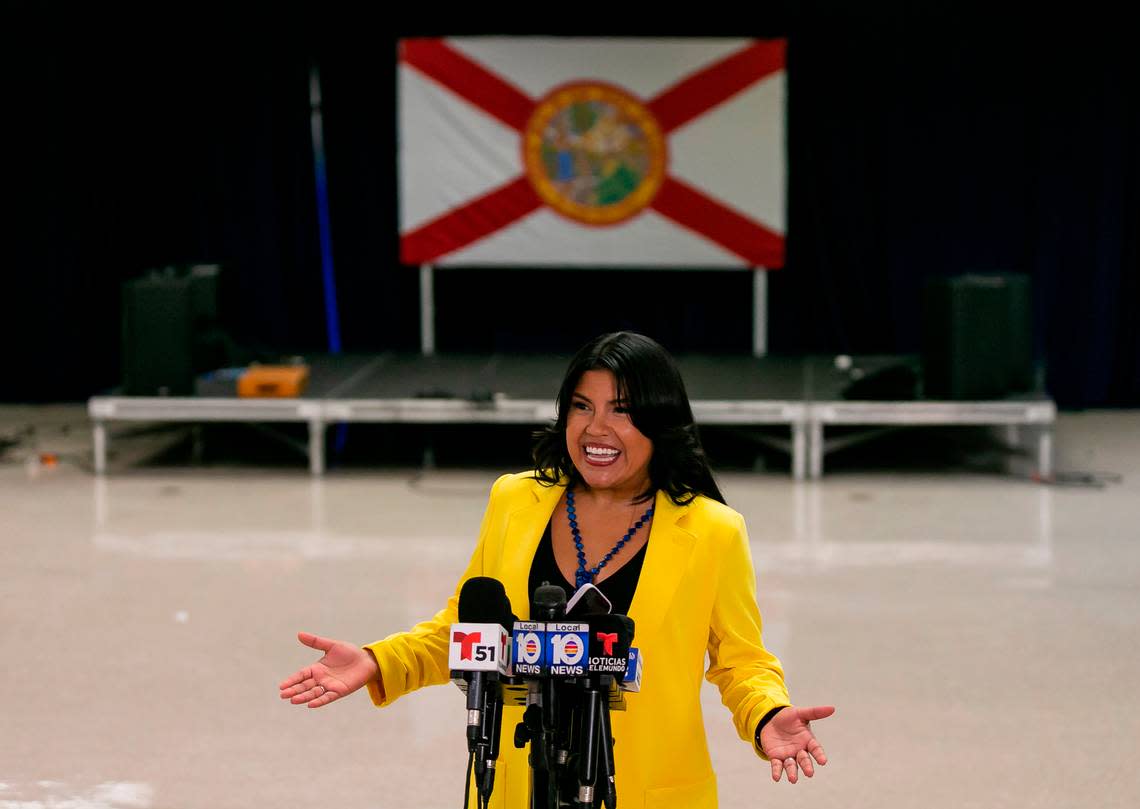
584, 151
479, 647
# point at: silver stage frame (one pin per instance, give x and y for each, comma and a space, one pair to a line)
806, 421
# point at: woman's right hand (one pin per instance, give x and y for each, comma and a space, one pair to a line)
342, 670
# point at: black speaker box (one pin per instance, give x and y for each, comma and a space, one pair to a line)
977, 337
169, 319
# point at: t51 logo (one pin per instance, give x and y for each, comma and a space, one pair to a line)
467, 641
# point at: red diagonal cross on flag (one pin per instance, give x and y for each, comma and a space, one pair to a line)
513, 152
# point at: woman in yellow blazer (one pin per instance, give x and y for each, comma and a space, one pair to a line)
624, 445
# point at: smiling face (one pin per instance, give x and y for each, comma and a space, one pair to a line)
608, 451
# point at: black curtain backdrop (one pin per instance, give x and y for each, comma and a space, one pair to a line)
917, 147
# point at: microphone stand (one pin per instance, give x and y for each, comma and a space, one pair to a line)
540, 724
606, 767
589, 738
594, 744
540, 727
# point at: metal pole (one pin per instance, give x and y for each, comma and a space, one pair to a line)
316, 128
759, 312
320, 174
427, 311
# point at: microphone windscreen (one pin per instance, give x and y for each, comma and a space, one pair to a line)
549, 602
482, 600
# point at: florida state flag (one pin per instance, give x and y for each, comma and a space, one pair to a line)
543, 151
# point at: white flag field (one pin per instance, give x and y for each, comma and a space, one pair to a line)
605, 152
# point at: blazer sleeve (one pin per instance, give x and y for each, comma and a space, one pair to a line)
418, 657
750, 678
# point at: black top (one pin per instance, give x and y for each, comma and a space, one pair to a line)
618, 588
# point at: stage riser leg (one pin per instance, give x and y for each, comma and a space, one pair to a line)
317, 447
1045, 452
815, 448
799, 450
99, 435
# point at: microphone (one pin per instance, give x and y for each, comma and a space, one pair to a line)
479, 654
540, 721
480, 645
483, 600
631, 683
548, 603
610, 639
588, 600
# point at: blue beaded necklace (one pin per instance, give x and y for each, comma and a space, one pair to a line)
583, 575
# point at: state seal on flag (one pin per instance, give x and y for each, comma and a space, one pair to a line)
594, 153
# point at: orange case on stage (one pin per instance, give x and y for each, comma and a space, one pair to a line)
273, 381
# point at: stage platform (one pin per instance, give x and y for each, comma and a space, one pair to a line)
803, 394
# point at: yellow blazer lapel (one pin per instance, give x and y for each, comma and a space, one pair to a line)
666, 560
524, 530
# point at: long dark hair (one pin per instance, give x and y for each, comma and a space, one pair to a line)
650, 383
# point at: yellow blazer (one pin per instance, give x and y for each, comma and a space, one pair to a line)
696, 594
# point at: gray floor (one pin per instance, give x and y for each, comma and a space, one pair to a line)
980, 636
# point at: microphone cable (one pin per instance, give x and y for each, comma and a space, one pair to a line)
467, 785
480, 803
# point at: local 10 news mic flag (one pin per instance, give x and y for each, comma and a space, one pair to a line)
478, 659
602, 644
566, 645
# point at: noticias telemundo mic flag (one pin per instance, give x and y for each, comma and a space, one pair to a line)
579, 151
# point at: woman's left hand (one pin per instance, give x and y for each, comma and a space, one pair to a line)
788, 741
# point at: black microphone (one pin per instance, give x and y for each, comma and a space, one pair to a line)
482, 600
485, 609
588, 600
608, 652
548, 604
610, 639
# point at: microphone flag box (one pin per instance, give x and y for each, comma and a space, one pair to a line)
609, 652
567, 647
479, 647
632, 680
529, 657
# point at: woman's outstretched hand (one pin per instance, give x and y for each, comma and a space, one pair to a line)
342, 670
788, 741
